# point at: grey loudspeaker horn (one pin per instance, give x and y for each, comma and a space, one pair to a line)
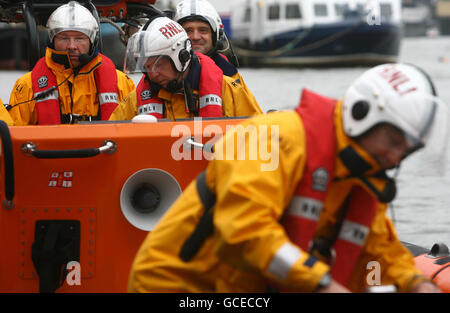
147, 195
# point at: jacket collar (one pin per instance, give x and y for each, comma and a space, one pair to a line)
60, 61
193, 76
227, 68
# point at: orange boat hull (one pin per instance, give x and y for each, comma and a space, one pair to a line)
87, 190
438, 269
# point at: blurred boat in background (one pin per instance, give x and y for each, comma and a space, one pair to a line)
316, 32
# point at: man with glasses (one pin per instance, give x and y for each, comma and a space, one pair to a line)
73, 81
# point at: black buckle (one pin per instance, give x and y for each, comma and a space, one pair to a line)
322, 250
75, 118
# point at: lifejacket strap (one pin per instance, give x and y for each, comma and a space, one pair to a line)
205, 226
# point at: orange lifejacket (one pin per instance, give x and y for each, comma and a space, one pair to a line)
48, 107
301, 217
210, 91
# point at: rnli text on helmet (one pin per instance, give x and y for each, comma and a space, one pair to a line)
170, 30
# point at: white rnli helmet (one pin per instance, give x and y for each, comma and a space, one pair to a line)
200, 10
398, 94
72, 17
162, 37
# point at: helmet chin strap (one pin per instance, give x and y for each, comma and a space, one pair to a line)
358, 166
173, 86
181, 83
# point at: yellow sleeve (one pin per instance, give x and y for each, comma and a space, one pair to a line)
125, 84
252, 195
4, 115
127, 108
23, 110
237, 99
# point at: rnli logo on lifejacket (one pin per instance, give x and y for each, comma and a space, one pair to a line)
170, 30
320, 179
61, 179
146, 94
43, 81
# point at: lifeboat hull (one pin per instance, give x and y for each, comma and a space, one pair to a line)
87, 193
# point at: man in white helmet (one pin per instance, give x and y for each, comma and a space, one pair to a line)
317, 221
178, 83
73, 81
205, 29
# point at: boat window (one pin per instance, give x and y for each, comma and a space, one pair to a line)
293, 11
341, 8
247, 14
385, 11
320, 9
361, 8
274, 12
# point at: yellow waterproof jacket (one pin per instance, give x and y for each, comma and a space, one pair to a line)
249, 249
231, 71
83, 94
236, 101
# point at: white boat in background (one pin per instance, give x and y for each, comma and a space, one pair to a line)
417, 17
286, 32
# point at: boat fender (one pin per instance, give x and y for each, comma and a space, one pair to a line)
144, 119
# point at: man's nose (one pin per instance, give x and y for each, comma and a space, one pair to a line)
195, 35
72, 44
152, 74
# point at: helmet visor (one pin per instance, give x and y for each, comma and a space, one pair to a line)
135, 56
431, 138
138, 59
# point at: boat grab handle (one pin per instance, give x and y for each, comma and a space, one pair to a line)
9, 165
29, 148
190, 142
